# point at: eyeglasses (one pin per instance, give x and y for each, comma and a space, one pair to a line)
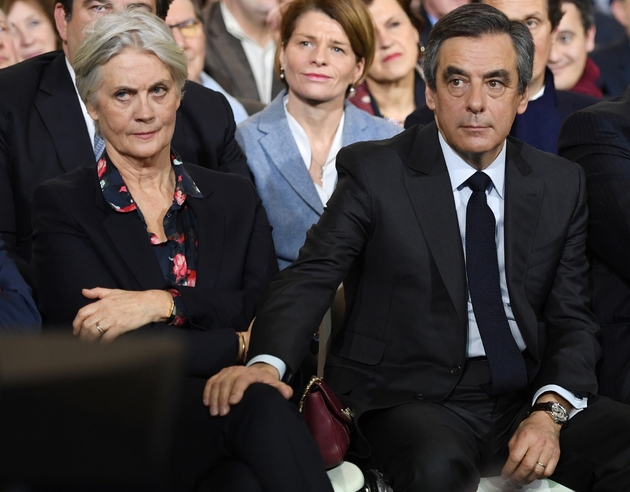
189, 28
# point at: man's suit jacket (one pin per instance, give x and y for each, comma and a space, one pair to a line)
18, 312
80, 241
43, 135
391, 228
284, 183
598, 138
226, 61
614, 63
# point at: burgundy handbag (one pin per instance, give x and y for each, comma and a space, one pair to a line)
328, 421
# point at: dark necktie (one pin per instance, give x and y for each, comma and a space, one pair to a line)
507, 365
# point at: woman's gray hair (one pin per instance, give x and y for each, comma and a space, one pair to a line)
114, 32
474, 21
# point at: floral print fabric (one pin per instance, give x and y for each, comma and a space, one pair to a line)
177, 255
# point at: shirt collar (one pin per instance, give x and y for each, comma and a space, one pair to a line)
539, 94
234, 28
459, 170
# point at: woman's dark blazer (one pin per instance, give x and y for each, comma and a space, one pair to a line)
81, 242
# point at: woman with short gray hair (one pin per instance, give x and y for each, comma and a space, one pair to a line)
143, 243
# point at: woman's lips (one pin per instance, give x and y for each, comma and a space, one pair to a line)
144, 135
317, 76
392, 57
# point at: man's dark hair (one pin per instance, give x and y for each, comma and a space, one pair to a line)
161, 7
585, 8
554, 11
474, 21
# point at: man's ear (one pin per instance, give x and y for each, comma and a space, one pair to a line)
61, 22
428, 95
522, 105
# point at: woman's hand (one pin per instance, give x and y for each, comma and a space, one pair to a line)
118, 311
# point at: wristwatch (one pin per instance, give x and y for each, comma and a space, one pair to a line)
557, 412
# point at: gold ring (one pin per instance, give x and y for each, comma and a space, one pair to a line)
101, 331
540, 464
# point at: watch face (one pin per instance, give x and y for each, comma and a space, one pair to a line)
558, 412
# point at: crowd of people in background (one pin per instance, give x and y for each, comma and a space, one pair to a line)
160, 168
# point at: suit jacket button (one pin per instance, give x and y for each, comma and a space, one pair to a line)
456, 371
420, 396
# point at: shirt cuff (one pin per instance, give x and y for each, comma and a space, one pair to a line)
272, 361
579, 402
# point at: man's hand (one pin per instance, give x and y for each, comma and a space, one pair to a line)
227, 387
536, 442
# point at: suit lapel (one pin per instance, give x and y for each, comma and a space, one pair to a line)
211, 229
58, 105
279, 144
523, 202
431, 195
230, 54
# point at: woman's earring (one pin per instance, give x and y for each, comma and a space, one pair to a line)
351, 91
281, 73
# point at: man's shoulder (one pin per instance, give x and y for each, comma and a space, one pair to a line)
542, 164
612, 53
19, 82
570, 102
603, 123
390, 153
197, 94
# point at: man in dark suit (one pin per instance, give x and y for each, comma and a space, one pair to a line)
614, 59
598, 138
539, 126
240, 48
45, 131
457, 320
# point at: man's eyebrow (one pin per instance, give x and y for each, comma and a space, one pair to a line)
501, 74
453, 70
87, 3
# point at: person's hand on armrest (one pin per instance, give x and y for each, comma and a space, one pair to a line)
227, 387
535, 446
119, 311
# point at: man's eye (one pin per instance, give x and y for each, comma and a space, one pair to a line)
531, 23
159, 90
122, 95
495, 84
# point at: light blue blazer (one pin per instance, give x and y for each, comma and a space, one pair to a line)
283, 182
